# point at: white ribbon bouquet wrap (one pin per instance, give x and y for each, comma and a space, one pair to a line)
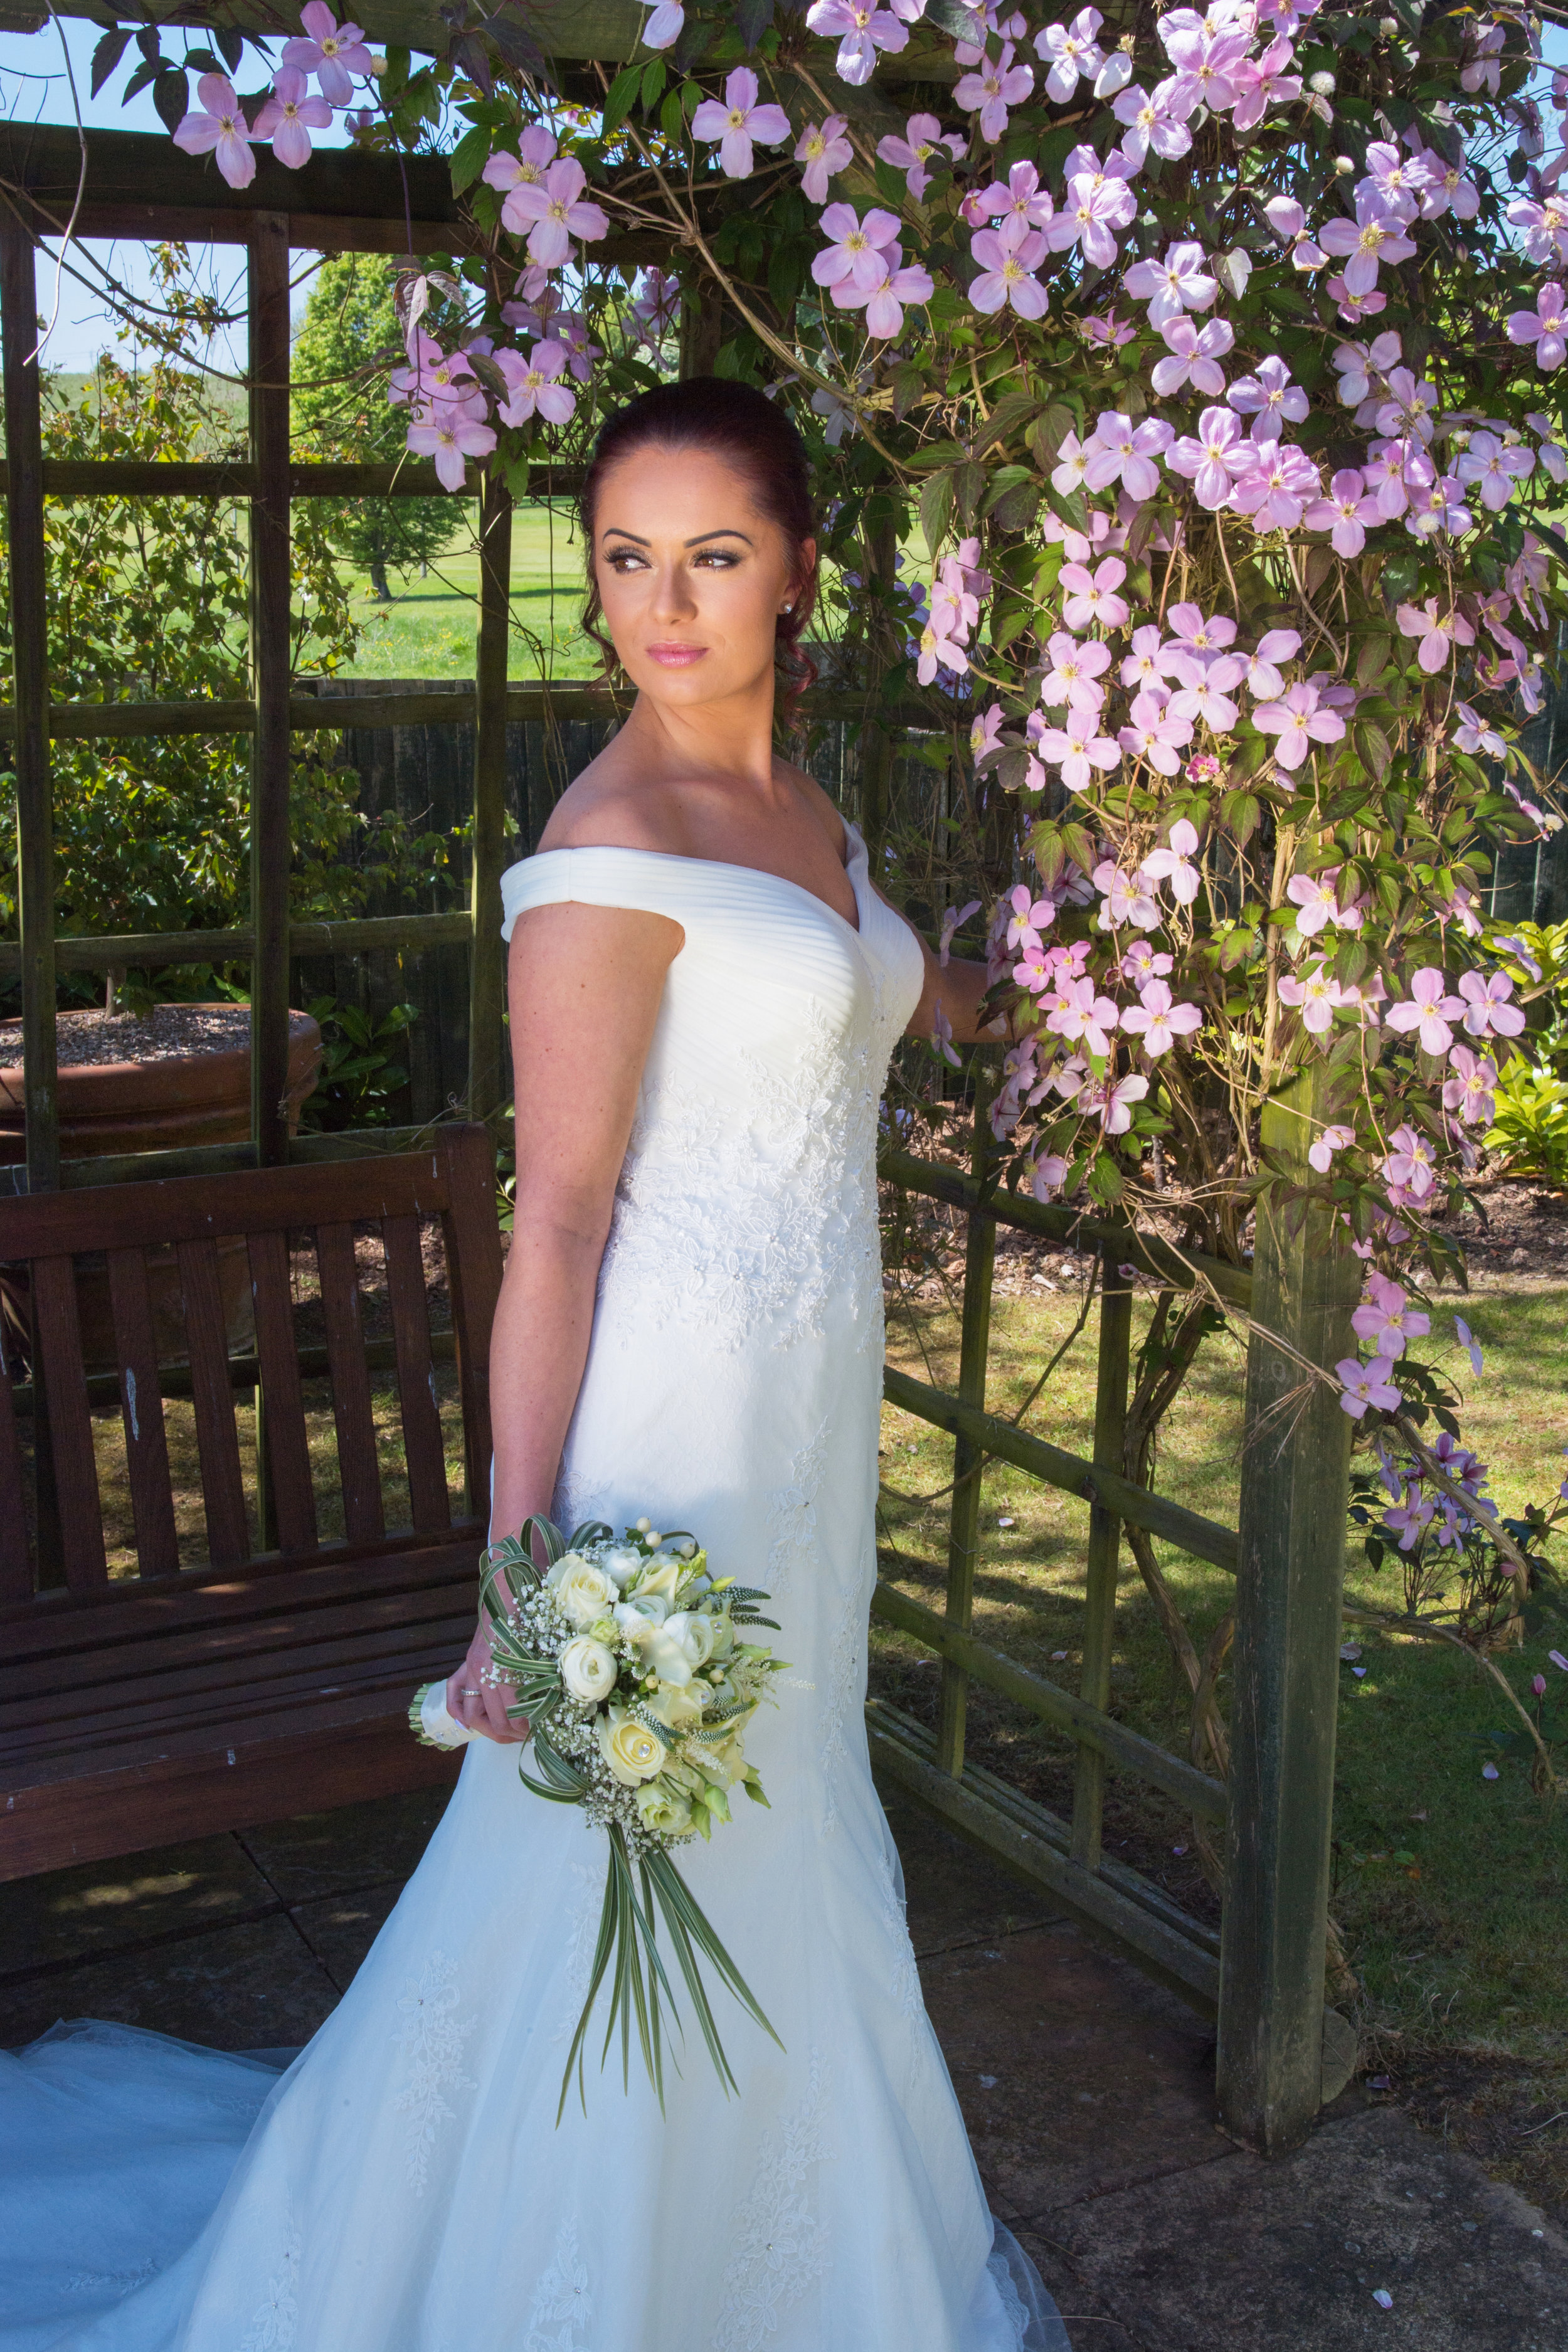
629, 1666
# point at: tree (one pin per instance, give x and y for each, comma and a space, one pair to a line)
342, 411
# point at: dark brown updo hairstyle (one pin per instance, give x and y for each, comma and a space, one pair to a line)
751, 433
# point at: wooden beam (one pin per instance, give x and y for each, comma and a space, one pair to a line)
270, 661
34, 792
487, 963
150, 951
1192, 1789
118, 477
1162, 1259
1285, 1664
1173, 1522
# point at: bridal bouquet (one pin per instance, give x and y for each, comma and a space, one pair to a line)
628, 1663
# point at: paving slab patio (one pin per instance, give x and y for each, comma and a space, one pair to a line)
1089, 2091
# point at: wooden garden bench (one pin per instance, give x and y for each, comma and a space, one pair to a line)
274, 1676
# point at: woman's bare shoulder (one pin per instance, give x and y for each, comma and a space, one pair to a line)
604, 808
820, 804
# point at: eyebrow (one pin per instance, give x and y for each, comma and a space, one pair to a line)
613, 530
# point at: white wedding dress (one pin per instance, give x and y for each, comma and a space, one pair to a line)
401, 2185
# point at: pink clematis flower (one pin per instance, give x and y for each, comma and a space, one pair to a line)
1496, 465
1022, 198
1214, 460
1410, 1163
1546, 327
1367, 1385
289, 116
1125, 453
1113, 1104
1316, 996
1029, 916
1471, 1091
733, 123
1076, 1012
1439, 633
1077, 749
1299, 722
1428, 1009
1204, 689
1263, 680
923, 138
1157, 1021
665, 24
1095, 206
883, 303
1155, 735
1176, 865
220, 129
1157, 123
1374, 236
1490, 1015
1073, 51
1124, 899
1388, 1319
1345, 514
824, 150
449, 435
1472, 733
997, 86
1195, 355
1270, 398
1318, 897
1091, 595
334, 53
1278, 487
1263, 82
1205, 59
553, 210
1048, 1175
1322, 1150
856, 253
1175, 283
1142, 961
536, 388
536, 152
1008, 257
1194, 631
862, 30
1074, 672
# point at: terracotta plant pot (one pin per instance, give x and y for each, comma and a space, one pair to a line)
198, 1092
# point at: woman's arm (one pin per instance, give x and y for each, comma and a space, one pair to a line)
958, 987
583, 987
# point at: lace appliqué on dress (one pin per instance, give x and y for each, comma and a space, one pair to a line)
278, 2315
561, 2300
778, 2234
844, 1658
432, 2041
791, 1512
749, 1224
905, 1985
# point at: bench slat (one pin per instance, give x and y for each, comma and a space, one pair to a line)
177, 1701
212, 1393
357, 1464
70, 1425
256, 1200
16, 1560
208, 1653
430, 1505
142, 1411
287, 1449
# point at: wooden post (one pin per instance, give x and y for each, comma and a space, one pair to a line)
270, 654
30, 687
487, 970
1294, 1480
963, 1522
1104, 1548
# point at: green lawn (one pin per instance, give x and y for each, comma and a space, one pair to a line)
1451, 1890
428, 631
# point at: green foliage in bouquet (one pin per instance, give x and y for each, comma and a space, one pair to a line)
626, 1664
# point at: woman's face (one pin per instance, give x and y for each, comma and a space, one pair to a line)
691, 577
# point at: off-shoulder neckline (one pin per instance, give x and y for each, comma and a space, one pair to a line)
857, 857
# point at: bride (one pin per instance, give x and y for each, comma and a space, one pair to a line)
705, 986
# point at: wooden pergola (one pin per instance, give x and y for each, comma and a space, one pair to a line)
1266, 1975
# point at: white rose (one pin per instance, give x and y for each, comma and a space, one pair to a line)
583, 1592
588, 1669
620, 1563
676, 1649
628, 1747
678, 1708
724, 1635
638, 1616
661, 1576
664, 1809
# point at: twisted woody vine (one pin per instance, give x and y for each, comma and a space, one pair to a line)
1206, 368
